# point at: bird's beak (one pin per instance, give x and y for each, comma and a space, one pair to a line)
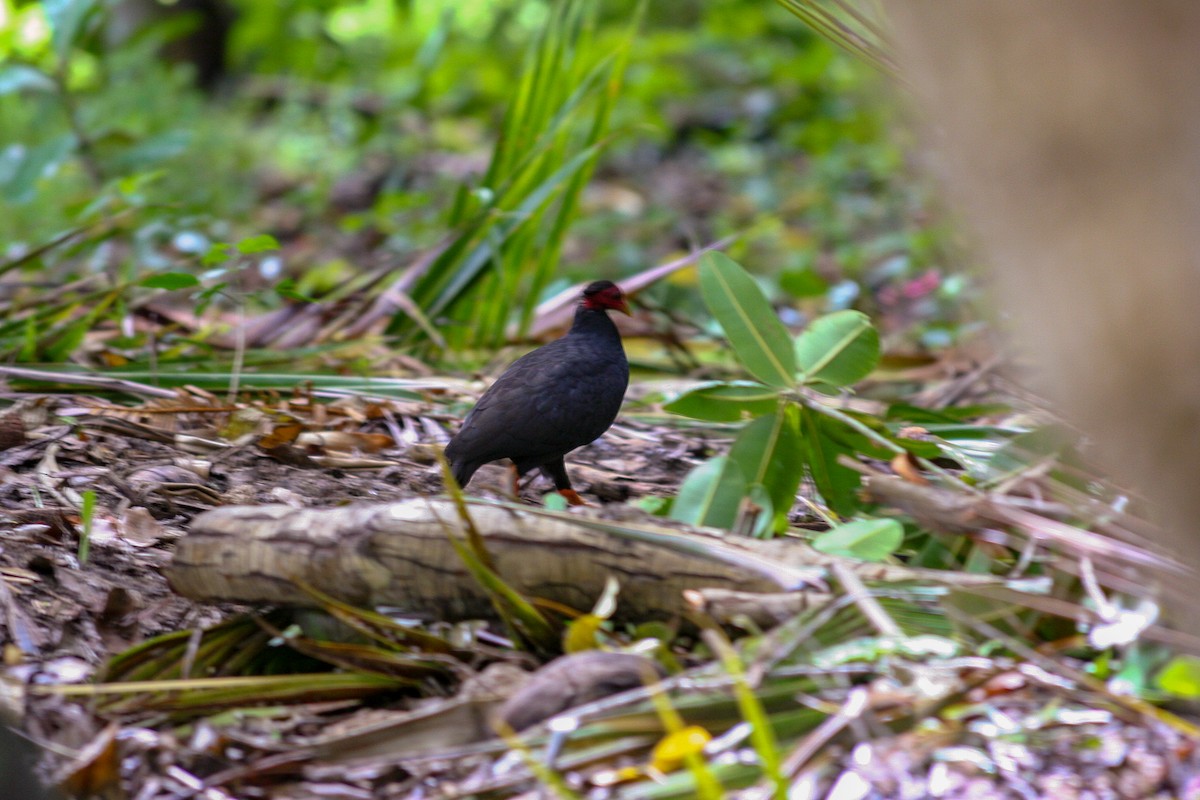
624, 308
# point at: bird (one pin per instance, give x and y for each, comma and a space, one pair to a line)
552, 400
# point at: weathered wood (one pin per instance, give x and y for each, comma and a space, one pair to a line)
399, 554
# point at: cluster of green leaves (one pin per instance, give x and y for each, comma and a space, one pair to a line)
510, 228
791, 433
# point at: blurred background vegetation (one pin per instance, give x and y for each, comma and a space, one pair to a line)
438, 168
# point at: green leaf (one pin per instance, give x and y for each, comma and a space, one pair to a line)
29, 341
759, 339
67, 20
838, 349
837, 484
725, 402
170, 281
1181, 677
770, 452
863, 539
903, 412
69, 340
21, 77
257, 244
711, 494
288, 290
217, 254
20, 173
153, 150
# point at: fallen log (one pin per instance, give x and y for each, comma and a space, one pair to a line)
400, 555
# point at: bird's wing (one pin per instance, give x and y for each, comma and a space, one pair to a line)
549, 401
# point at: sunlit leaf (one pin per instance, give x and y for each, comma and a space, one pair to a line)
759, 339
725, 402
838, 349
1181, 677
170, 281
217, 254
262, 243
670, 752
711, 494
863, 539
582, 634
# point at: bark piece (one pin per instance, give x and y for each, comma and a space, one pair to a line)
572, 681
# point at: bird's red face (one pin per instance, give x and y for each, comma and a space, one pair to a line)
605, 295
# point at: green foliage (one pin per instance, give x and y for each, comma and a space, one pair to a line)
725, 402
711, 495
791, 433
862, 539
770, 453
511, 227
760, 341
837, 350
1181, 677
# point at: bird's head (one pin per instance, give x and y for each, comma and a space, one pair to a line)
603, 295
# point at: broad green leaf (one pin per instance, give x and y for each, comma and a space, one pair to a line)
725, 402
711, 494
67, 20
170, 281
837, 484
217, 254
27, 166
759, 339
1181, 677
262, 243
770, 453
863, 539
838, 349
21, 77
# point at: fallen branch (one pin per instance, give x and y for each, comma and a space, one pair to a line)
399, 554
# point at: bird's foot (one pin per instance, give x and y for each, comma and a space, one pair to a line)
572, 497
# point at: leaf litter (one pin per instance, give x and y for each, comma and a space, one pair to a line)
874, 719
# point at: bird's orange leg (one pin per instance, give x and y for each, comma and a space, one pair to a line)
556, 471
573, 497
516, 481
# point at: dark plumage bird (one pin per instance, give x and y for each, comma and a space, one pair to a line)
550, 401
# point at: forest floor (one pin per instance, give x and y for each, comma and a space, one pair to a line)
153, 468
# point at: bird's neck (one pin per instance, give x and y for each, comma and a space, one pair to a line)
594, 322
